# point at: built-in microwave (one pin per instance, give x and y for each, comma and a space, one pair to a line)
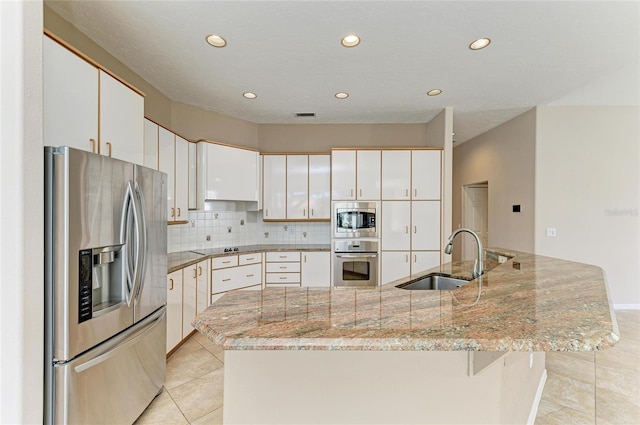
355, 220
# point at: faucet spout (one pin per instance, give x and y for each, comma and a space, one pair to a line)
478, 266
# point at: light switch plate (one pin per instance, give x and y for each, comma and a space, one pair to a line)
551, 231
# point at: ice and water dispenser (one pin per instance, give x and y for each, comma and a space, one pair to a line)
102, 281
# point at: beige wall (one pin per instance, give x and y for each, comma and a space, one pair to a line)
587, 187
322, 137
156, 105
505, 158
195, 123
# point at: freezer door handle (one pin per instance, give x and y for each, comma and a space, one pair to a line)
119, 345
141, 228
129, 250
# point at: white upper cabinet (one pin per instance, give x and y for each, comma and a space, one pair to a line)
182, 179
319, 187
396, 175
192, 176
173, 159
368, 175
396, 225
297, 186
166, 163
226, 173
426, 174
274, 187
150, 148
70, 95
343, 175
121, 120
425, 225
88, 109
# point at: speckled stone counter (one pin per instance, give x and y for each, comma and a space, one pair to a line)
529, 303
178, 260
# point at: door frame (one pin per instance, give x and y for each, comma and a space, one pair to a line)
466, 242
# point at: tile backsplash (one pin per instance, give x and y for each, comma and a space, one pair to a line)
216, 229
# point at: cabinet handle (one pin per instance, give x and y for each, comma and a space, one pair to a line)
199, 271
282, 256
415, 258
305, 258
109, 149
351, 191
406, 258
406, 193
415, 229
415, 193
173, 213
226, 262
283, 267
283, 277
93, 145
226, 280
250, 275
361, 193
171, 280
195, 274
304, 212
250, 259
266, 212
179, 212
406, 229
311, 212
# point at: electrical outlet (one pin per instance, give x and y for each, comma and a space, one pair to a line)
551, 231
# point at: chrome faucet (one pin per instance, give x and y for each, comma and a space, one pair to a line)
478, 266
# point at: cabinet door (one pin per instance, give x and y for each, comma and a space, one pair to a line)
424, 260
274, 187
297, 186
396, 222
396, 175
182, 179
70, 96
121, 120
189, 296
319, 187
368, 175
395, 265
166, 164
425, 174
343, 175
316, 269
203, 286
425, 226
174, 309
192, 176
151, 144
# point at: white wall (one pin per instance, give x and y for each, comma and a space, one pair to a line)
21, 213
587, 187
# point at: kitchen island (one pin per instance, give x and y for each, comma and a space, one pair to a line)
388, 355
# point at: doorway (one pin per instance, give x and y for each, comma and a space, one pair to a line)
475, 216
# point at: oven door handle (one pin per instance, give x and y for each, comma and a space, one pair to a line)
357, 256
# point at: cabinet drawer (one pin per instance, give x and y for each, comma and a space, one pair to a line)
283, 267
244, 259
223, 262
283, 277
283, 256
234, 278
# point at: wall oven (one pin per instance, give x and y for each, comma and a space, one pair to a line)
355, 220
355, 263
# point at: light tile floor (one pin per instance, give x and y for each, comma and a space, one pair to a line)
582, 388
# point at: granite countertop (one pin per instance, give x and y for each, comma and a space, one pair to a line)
178, 260
528, 303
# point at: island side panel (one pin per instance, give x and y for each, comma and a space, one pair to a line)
368, 387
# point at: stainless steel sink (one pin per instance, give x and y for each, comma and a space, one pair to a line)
435, 281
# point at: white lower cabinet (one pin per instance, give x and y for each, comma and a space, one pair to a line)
235, 272
282, 269
424, 260
189, 298
174, 309
316, 269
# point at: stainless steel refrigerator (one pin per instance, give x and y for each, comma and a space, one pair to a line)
105, 287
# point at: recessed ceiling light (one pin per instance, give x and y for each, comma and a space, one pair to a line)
350, 40
342, 95
434, 92
216, 40
480, 43
250, 95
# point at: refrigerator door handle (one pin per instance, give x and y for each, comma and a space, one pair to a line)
141, 228
130, 234
118, 346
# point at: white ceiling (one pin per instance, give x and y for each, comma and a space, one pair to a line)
289, 54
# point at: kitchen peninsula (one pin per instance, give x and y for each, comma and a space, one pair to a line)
388, 355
